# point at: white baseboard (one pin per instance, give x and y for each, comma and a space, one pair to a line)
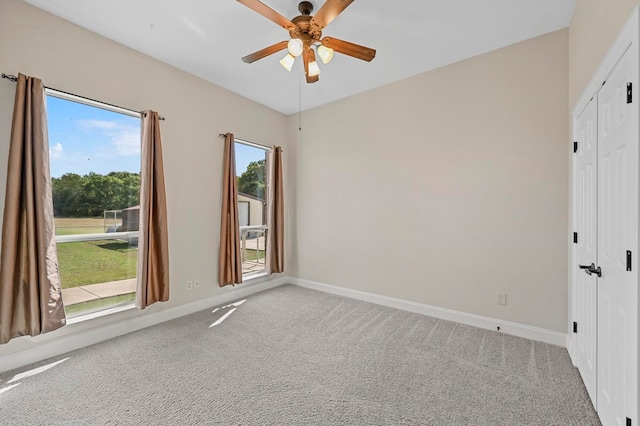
512, 328
79, 334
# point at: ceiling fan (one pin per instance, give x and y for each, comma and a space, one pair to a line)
306, 32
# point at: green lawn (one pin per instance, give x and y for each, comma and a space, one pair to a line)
254, 254
80, 225
79, 230
99, 303
94, 262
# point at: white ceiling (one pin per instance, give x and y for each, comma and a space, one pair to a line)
207, 38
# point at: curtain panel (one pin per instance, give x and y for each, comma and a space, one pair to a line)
229, 260
30, 292
275, 241
153, 244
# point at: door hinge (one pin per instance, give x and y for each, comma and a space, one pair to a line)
575, 238
628, 421
628, 260
575, 146
575, 327
629, 92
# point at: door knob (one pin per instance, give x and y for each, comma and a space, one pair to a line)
591, 269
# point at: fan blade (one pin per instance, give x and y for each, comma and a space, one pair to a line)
328, 12
306, 56
351, 49
267, 12
265, 52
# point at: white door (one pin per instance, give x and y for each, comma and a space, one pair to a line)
617, 233
585, 223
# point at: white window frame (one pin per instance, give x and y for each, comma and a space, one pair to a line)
61, 239
263, 228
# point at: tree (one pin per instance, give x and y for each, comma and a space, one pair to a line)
90, 195
67, 195
100, 193
252, 181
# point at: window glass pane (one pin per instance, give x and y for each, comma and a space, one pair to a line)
251, 165
95, 174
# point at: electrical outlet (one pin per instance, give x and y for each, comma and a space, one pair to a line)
501, 298
189, 285
196, 283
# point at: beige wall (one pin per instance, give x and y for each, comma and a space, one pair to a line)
594, 26
445, 187
69, 58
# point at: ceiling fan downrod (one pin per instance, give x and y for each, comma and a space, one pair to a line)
305, 7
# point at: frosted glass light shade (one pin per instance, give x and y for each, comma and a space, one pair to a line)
295, 46
287, 62
325, 53
314, 69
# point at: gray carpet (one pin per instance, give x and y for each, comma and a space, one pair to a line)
292, 356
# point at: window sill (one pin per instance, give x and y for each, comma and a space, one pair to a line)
99, 314
91, 320
250, 277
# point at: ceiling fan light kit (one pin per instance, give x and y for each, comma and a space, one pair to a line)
287, 62
306, 33
325, 53
314, 69
295, 47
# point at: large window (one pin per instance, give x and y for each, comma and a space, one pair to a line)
95, 173
251, 172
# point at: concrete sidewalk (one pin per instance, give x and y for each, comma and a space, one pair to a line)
85, 293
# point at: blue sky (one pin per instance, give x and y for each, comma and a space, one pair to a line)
84, 139
245, 154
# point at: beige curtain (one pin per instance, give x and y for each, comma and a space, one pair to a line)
229, 262
153, 244
276, 212
30, 293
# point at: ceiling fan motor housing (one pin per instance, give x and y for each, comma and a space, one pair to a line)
305, 29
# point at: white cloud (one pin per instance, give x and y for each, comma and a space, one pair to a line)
127, 141
124, 139
56, 152
98, 124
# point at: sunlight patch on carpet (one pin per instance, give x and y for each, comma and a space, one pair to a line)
225, 316
8, 388
35, 371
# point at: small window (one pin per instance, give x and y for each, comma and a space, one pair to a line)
95, 173
251, 175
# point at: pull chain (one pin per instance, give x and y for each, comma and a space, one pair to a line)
300, 104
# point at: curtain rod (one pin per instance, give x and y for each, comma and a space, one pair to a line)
15, 79
224, 135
